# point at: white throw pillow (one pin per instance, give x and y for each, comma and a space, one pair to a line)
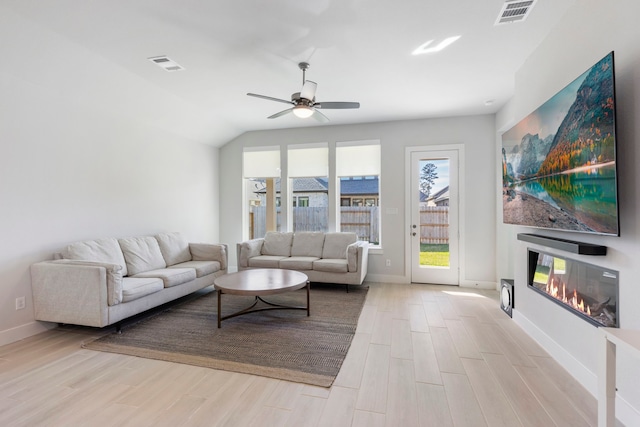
141, 254
174, 248
100, 250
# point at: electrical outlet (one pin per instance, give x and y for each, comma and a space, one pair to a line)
388, 263
20, 304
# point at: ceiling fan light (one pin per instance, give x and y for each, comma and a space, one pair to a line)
302, 111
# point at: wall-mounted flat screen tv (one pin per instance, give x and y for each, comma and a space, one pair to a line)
559, 162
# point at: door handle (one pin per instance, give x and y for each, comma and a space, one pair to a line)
413, 234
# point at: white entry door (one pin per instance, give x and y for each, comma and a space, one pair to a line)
434, 217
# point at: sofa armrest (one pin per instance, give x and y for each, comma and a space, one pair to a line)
210, 252
75, 292
358, 256
248, 249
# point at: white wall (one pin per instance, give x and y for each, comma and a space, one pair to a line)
476, 133
589, 31
72, 170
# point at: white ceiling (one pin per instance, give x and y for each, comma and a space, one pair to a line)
94, 53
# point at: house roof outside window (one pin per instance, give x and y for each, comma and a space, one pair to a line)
347, 186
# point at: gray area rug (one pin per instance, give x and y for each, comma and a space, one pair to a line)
282, 344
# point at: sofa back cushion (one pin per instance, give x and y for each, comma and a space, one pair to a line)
141, 254
335, 245
276, 243
174, 248
307, 244
101, 250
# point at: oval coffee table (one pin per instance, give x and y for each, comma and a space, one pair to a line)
258, 283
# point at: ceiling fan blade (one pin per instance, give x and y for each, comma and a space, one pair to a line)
319, 116
308, 90
269, 98
280, 114
336, 105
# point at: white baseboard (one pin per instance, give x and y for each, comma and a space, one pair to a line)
24, 331
626, 413
386, 278
478, 284
584, 376
389, 278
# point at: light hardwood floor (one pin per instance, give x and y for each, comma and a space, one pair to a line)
422, 356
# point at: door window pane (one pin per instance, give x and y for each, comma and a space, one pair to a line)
434, 212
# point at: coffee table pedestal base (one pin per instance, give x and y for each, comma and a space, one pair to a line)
252, 309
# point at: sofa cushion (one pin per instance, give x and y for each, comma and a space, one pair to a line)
141, 254
171, 276
335, 245
101, 250
174, 248
202, 268
298, 262
307, 244
265, 261
331, 265
277, 244
134, 288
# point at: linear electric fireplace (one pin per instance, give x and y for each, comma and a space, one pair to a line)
586, 290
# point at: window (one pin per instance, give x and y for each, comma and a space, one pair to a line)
261, 172
308, 170
301, 201
308, 199
358, 167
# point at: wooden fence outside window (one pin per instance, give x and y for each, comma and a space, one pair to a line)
362, 220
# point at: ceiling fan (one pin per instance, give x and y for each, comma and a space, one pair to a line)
304, 102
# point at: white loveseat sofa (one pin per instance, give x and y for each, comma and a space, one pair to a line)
323, 257
101, 282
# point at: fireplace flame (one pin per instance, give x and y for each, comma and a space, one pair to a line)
573, 301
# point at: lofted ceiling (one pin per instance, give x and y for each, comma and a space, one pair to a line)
95, 54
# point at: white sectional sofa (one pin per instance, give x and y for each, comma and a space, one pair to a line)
101, 282
323, 257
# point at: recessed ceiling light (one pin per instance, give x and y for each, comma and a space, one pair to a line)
166, 63
424, 48
489, 102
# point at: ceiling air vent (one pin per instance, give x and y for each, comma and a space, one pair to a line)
166, 63
514, 11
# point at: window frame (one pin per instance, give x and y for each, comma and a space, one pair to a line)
335, 158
